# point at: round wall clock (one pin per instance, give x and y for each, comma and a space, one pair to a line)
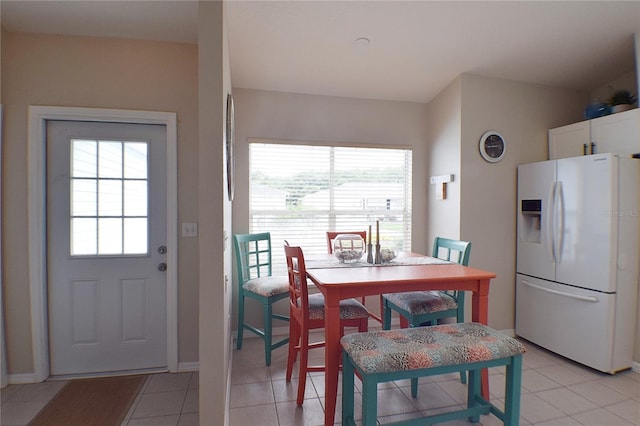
492, 146
229, 147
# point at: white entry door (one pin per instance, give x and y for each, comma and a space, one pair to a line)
106, 237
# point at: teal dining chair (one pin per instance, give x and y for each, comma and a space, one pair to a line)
427, 307
255, 281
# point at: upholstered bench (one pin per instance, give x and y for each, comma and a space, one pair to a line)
382, 356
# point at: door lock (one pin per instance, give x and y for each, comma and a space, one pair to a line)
162, 249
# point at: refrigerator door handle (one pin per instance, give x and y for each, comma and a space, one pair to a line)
592, 299
550, 220
558, 231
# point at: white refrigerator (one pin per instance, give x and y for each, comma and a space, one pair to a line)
578, 258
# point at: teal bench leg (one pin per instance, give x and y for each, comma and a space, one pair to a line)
473, 392
512, 391
369, 401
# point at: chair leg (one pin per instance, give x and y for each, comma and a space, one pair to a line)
463, 377
404, 323
347, 391
364, 325
268, 338
240, 320
386, 316
294, 341
304, 359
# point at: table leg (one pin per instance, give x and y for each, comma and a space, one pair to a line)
480, 313
332, 357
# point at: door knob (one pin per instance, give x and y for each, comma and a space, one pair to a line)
162, 267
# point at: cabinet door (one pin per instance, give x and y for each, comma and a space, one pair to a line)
617, 133
569, 141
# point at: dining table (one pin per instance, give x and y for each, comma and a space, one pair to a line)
407, 272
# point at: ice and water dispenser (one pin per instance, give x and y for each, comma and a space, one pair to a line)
530, 220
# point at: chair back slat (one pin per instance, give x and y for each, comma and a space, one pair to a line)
298, 289
253, 255
452, 250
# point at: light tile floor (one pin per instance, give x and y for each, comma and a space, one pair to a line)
164, 400
555, 391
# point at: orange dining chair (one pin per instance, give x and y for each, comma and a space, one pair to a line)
306, 312
331, 235
427, 307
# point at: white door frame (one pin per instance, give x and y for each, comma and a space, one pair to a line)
37, 232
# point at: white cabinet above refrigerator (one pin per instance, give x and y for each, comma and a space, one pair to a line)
616, 133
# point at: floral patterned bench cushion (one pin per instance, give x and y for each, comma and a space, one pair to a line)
268, 286
422, 302
426, 347
349, 309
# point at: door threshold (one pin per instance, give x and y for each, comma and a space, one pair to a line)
108, 374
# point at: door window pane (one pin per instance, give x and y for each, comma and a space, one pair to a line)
135, 198
110, 160
135, 160
84, 158
83, 236
135, 236
83, 197
110, 197
109, 236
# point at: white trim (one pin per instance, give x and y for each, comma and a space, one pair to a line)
511, 332
19, 379
635, 366
38, 116
188, 366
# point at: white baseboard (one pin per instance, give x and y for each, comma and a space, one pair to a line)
635, 367
511, 332
188, 366
18, 379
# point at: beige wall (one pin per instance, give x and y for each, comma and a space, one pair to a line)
101, 73
215, 216
522, 114
443, 158
274, 115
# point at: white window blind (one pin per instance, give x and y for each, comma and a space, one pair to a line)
299, 192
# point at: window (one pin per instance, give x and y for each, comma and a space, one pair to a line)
298, 192
108, 198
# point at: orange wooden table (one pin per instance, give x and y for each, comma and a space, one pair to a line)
337, 283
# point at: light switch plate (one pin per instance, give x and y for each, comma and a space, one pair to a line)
190, 230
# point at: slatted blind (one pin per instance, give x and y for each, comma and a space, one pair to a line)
299, 192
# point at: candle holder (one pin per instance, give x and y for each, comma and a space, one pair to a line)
378, 260
369, 253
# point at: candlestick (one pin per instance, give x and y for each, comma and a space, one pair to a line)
378, 259
369, 253
377, 232
369, 234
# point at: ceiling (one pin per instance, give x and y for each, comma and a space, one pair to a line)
416, 47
